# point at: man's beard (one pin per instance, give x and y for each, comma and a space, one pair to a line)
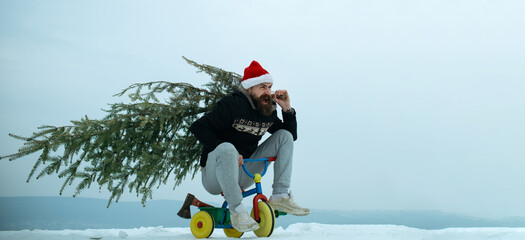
264, 104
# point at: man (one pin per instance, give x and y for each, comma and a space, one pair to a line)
232, 131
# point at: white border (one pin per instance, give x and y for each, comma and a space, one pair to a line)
250, 82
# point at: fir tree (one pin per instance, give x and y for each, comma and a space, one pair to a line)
138, 145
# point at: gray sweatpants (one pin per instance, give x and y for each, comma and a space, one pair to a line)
222, 173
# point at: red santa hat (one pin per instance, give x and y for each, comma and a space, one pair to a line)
254, 75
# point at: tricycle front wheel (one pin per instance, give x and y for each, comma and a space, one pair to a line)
266, 221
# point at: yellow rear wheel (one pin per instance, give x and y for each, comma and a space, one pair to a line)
267, 220
202, 224
233, 233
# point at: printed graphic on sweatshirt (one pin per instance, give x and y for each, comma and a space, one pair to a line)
251, 127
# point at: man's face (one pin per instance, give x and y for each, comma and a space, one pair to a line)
262, 96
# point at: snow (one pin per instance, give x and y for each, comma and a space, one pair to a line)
303, 231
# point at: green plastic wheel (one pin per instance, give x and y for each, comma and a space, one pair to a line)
202, 224
232, 232
266, 221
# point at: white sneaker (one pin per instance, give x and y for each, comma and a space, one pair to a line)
242, 221
285, 203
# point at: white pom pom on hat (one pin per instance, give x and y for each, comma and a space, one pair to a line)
255, 75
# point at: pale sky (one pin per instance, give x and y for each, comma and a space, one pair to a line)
401, 105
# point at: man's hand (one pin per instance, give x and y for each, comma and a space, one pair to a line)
241, 160
282, 98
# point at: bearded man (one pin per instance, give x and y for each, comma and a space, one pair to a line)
233, 130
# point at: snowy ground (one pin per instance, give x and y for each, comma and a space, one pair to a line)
303, 231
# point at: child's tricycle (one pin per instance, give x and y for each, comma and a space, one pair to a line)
209, 217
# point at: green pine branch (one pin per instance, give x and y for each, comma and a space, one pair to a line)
138, 146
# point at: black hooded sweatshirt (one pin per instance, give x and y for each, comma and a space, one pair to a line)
236, 120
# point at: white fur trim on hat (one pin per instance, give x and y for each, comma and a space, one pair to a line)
248, 83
